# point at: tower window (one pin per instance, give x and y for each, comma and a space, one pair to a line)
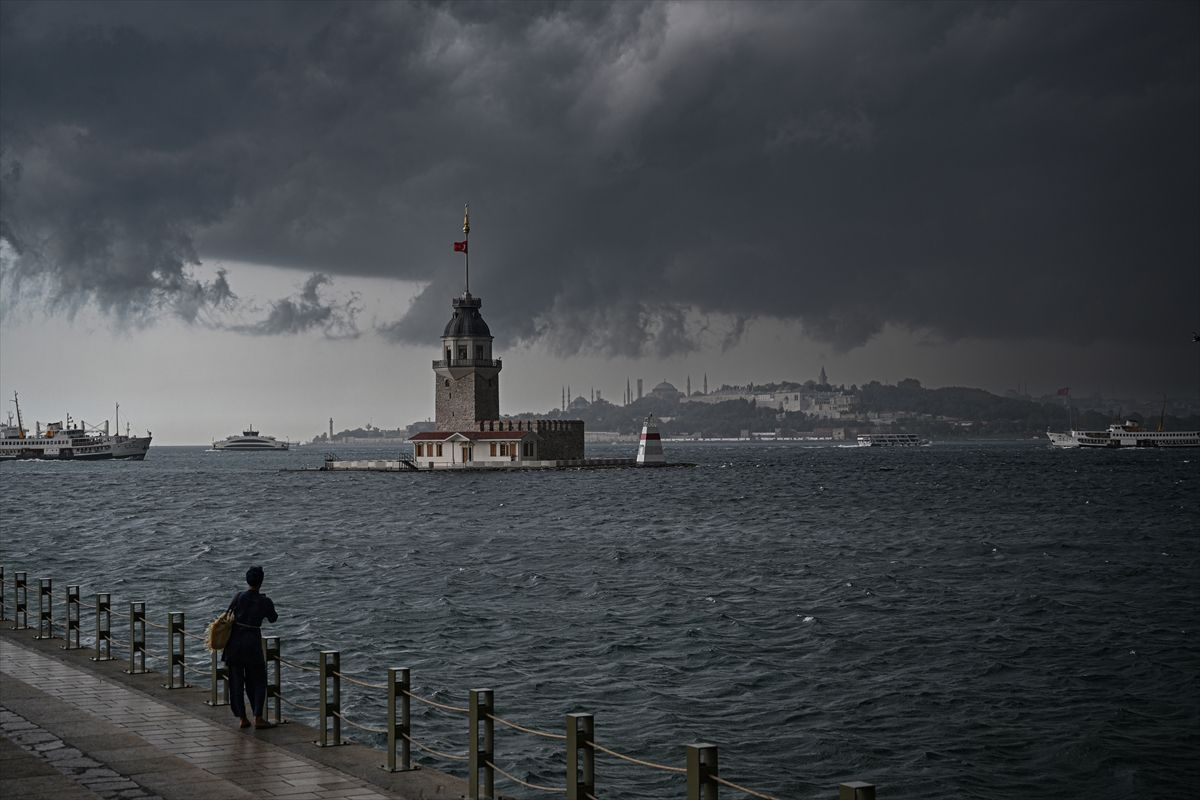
462, 353
479, 351
447, 379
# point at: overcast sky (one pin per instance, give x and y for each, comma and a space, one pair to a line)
220, 214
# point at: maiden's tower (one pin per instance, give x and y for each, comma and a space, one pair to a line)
470, 431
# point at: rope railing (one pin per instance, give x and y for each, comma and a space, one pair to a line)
438, 753
526, 784
743, 789
640, 762
435, 704
305, 667
532, 731
364, 684
354, 724
303, 708
580, 745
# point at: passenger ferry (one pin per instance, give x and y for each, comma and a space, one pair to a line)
250, 440
1130, 434
891, 440
68, 442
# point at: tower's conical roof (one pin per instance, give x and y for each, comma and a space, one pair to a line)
467, 321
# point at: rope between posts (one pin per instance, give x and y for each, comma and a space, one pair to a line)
444, 707
638, 761
153, 624
544, 734
431, 751
742, 789
348, 679
299, 666
297, 705
197, 636
527, 785
354, 724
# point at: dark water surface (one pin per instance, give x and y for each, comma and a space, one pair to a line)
971, 620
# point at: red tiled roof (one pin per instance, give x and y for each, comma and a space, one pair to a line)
441, 436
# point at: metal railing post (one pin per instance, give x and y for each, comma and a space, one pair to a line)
856, 790
20, 602
45, 628
72, 633
399, 724
581, 732
481, 757
176, 657
331, 701
3, 591
701, 767
273, 652
137, 638
219, 685
103, 627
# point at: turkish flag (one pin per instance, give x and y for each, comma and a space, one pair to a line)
1064, 391
460, 247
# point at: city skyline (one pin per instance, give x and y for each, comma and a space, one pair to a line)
221, 214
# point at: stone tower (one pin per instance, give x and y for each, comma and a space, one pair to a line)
468, 378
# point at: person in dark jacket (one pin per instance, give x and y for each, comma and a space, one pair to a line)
244, 652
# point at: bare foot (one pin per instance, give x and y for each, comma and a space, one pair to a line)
245, 723
262, 723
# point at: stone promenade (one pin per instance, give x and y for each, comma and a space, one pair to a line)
71, 728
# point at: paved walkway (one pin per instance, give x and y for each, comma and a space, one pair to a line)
68, 732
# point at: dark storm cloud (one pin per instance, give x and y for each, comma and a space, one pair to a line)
308, 312
1002, 171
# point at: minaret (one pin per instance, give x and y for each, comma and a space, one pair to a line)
689, 386
706, 383
824, 379
331, 429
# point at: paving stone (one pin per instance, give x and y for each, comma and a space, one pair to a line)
138, 743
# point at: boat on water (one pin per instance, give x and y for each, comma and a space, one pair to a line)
68, 442
891, 440
250, 440
1129, 434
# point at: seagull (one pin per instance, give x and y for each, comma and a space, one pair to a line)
1195, 336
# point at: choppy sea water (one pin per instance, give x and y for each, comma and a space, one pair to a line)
989, 620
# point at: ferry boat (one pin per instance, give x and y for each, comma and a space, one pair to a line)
891, 440
250, 440
1130, 434
68, 442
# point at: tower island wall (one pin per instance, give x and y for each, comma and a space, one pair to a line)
557, 439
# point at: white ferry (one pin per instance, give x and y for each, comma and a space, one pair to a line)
250, 440
1131, 434
891, 440
67, 442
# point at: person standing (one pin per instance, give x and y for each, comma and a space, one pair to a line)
244, 652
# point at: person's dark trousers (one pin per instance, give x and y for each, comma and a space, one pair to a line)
251, 680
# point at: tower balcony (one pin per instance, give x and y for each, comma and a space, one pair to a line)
467, 362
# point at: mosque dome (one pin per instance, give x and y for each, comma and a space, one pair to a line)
665, 389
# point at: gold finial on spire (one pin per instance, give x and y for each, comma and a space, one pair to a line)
467, 219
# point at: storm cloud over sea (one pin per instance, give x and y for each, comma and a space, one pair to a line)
992, 620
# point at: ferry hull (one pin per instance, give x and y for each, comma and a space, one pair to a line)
1119, 438
133, 449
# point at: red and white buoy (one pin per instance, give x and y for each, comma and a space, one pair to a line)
650, 445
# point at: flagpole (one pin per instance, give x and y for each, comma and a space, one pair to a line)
467, 243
